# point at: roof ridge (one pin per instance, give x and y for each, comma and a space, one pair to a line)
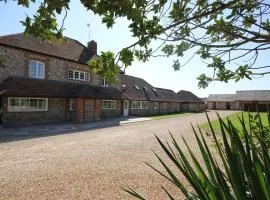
252, 90
75, 40
2, 36
164, 89
139, 79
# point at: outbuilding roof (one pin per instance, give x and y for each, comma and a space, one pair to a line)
29, 87
187, 96
167, 95
138, 89
66, 48
221, 97
253, 95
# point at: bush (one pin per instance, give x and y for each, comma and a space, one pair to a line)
243, 170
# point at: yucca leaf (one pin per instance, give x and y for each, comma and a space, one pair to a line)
242, 174
233, 161
219, 177
167, 192
210, 188
134, 193
173, 178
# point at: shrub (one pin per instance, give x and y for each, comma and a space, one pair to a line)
242, 172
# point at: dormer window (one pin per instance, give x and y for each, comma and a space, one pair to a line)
78, 75
136, 87
36, 69
155, 92
104, 83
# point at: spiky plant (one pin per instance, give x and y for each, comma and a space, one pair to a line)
242, 172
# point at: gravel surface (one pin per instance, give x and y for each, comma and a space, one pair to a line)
92, 164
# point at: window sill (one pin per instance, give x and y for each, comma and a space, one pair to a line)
139, 108
71, 79
26, 111
37, 77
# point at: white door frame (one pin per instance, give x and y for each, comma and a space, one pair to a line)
126, 108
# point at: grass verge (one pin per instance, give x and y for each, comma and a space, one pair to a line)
157, 117
235, 121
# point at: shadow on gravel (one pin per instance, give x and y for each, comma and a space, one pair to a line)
54, 129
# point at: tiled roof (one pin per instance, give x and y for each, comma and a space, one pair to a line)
138, 89
167, 95
186, 96
253, 95
221, 97
67, 48
27, 87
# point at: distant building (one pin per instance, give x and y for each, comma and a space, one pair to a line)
221, 102
253, 99
246, 100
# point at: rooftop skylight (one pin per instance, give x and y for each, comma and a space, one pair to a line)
136, 87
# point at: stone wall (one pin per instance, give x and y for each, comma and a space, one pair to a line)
165, 110
237, 105
195, 107
106, 113
153, 110
56, 113
221, 106
11, 63
210, 105
14, 62
139, 112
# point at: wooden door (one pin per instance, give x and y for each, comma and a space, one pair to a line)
88, 110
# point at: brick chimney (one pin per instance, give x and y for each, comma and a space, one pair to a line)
92, 47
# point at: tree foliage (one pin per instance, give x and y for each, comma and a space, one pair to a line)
228, 35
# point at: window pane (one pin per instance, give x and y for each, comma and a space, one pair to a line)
70, 74
33, 103
40, 103
86, 76
82, 75
24, 104
14, 102
76, 75
32, 69
41, 70
109, 104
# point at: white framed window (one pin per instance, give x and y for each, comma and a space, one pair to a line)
25, 104
71, 104
36, 69
165, 106
156, 105
104, 83
78, 75
140, 105
108, 104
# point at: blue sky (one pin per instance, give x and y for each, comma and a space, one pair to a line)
157, 71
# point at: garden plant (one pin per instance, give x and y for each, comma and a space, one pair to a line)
236, 167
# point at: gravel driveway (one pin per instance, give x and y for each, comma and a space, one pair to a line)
91, 164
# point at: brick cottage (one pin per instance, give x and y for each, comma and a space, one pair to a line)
50, 81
